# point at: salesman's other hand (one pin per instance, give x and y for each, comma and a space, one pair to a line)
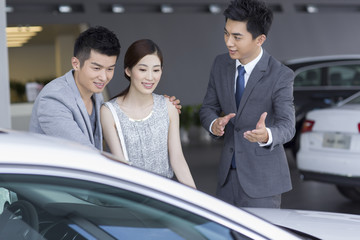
218, 127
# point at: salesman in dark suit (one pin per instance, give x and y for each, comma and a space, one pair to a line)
249, 101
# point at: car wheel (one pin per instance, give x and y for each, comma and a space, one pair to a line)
352, 193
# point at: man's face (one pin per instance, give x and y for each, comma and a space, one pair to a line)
95, 73
240, 42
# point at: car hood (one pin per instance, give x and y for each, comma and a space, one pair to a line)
323, 225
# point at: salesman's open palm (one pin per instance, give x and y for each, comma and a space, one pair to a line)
259, 134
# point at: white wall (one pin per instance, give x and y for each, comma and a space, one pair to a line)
5, 121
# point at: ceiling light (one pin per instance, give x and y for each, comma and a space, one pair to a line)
21, 34
14, 45
214, 8
165, 8
16, 42
26, 29
65, 9
117, 8
9, 9
17, 36
312, 9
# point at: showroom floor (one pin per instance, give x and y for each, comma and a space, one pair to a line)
308, 195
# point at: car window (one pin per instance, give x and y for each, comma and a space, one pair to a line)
346, 75
59, 208
308, 78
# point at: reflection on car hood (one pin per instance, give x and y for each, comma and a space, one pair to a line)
323, 225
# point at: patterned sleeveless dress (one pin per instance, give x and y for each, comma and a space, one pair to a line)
146, 140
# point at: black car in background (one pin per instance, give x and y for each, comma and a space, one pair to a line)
321, 82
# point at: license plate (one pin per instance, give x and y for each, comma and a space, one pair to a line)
336, 140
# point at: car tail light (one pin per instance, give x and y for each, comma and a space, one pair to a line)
308, 125
359, 127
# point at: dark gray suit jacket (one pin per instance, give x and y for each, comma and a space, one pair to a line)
60, 111
262, 171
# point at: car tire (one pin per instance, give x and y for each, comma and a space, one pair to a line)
352, 193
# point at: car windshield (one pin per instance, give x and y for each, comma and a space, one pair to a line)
354, 100
57, 207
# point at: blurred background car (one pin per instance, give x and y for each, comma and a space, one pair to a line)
64, 190
330, 146
321, 82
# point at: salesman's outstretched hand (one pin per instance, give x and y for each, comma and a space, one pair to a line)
259, 134
218, 126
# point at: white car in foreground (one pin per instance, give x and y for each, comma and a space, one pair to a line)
66, 191
330, 146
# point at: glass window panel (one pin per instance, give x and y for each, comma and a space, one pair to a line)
86, 210
345, 75
308, 78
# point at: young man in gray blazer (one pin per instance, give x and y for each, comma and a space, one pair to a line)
253, 171
69, 106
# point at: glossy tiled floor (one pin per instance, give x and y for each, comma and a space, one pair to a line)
203, 160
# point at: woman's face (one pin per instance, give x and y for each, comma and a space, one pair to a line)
146, 74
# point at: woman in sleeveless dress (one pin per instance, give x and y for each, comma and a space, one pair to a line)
149, 122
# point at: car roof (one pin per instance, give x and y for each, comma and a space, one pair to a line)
44, 152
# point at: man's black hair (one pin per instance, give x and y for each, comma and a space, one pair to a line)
255, 13
99, 39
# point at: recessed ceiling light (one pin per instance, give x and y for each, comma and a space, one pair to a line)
65, 9
117, 8
214, 8
165, 8
9, 9
312, 9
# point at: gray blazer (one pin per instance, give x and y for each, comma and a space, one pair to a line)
60, 111
262, 171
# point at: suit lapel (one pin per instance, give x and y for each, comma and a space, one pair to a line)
256, 75
86, 118
230, 80
98, 98
80, 103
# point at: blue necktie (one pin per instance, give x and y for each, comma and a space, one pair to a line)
240, 86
